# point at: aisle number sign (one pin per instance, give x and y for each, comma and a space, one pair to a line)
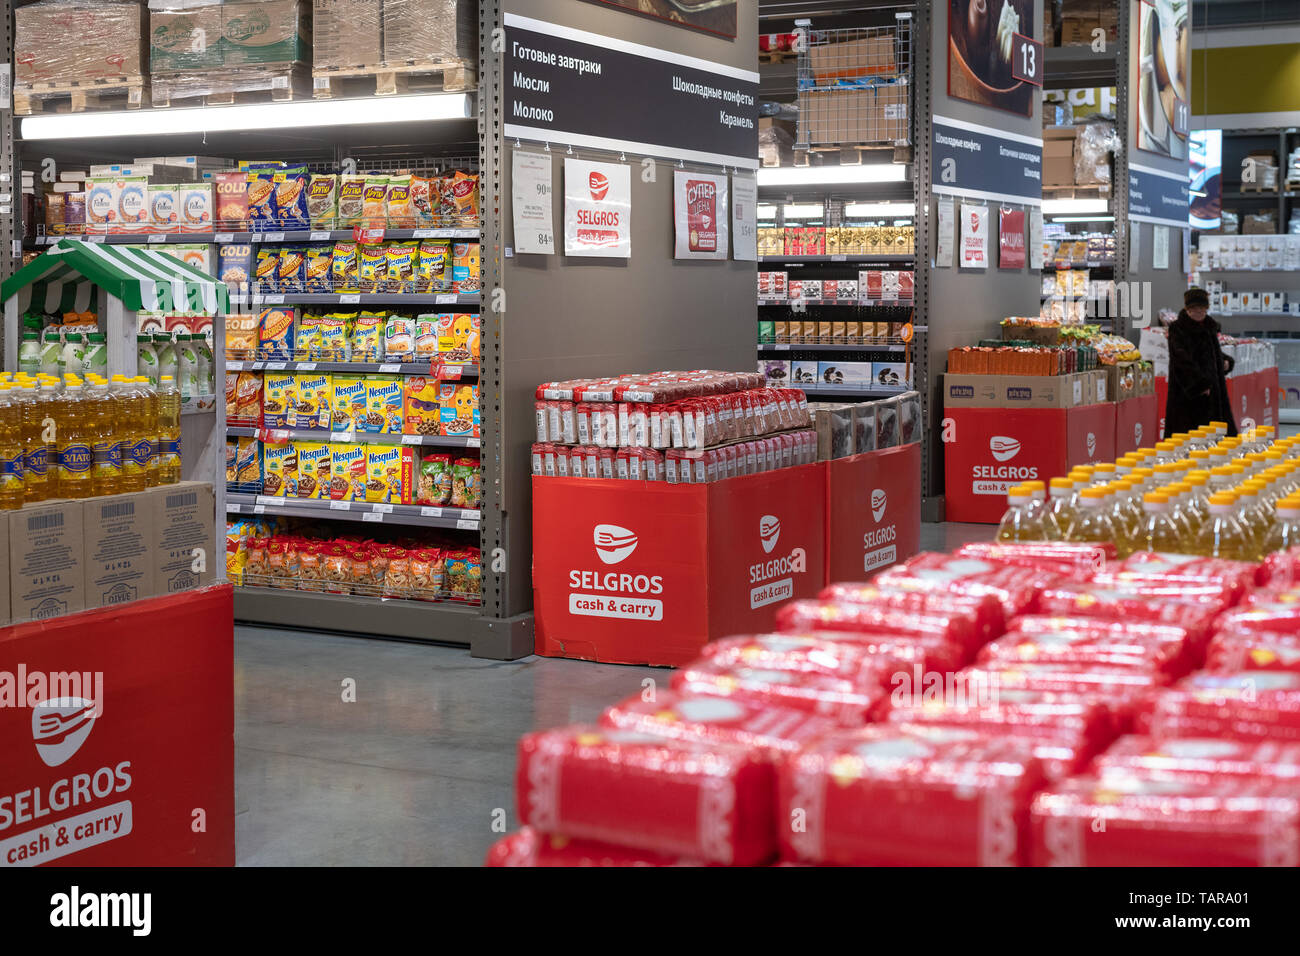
597, 209
974, 236
532, 192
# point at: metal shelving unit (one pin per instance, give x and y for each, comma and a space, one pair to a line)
293, 235
364, 438
416, 516
836, 347
451, 370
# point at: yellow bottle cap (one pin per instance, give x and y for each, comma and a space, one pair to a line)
1062, 483
1156, 497
1198, 454
1195, 479
1221, 471
1143, 472
1146, 452
1223, 498
1092, 494
1166, 468
1083, 470
1178, 488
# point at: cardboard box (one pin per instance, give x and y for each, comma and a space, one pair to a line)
857, 116
1120, 382
1058, 156
1018, 391
75, 42
184, 516
429, 31
346, 33
265, 31
119, 546
47, 561
853, 60
185, 39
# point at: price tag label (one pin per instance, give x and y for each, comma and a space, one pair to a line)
273, 299
390, 367
784, 347
256, 366
372, 516
265, 500
1026, 59
384, 509
448, 373
839, 258
156, 239
259, 509
467, 524
412, 440
224, 237
320, 236
465, 233
340, 506
306, 366
234, 509
367, 235
423, 233
350, 298
98, 239
234, 366
274, 237
472, 442
446, 299
276, 366
349, 436
427, 512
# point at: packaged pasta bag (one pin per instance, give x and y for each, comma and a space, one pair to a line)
428, 570
466, 484
400, 258
435, 480
400, 213
343, 268
372, 268
432, 271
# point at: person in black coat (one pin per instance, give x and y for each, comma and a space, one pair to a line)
1198, 387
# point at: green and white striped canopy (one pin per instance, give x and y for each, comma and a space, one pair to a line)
63, 279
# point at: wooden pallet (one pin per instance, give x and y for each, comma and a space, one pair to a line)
413, 76
78, 96
852, 154
1259, 187
1098, 191
255, 85
777, 56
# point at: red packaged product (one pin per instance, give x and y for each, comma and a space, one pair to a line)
1276, 611
1133, 603
718, 720
1236, 576
985, 608
1231, 651
705, 800
1281, 567
1124, 820
527, 847
920, 796
957, 628
1247, 705
1063, 557
1016, 588
1204, 757
848, 703
1080, 678
930, 652
1142, 646
800, 653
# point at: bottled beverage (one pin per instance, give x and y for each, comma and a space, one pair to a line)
12, 491
1103, 473
169, 432
1093, 523
1222, 536
1130, 504
1015, 524
168, 353
207, 380
74, 354
96, 358
1197, 508
1116, 502
150, 428
187, 365
51, 352
1158, 531
1285, 531
1222, 477
35, 455
1040, 512
1166, 450
1248, 512
146, 358
29, 353
135, 443
76, 456
106, 446
1061, 491
1178, 496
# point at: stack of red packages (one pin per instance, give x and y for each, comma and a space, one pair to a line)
774, 730
1063, 557
1213, 578
1274, 610
908, 796
1281, 567
1167, 603
1065, 732
1016, 588
1142, 820
528, 847
1246, 705
985, 608
1045, 639
692, 799
945, 638
1231, 651
1201, 757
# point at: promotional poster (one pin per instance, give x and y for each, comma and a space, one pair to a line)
700, 215
980, 36
974, 237
1011, 238
1163, 66
597, 209
707, 16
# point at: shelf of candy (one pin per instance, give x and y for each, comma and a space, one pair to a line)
1092, 250
303, 556
985, 707
858, 241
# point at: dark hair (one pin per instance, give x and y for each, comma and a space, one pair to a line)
1195, 297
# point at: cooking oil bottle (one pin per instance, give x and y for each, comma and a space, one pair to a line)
169, 432
76, 456
1093, 524
12, 490
35, 459
1129, 508
1040, 513
1285, 532
1158, 530
1222, 535
135, 443
106, 447
1015, 524
1061, 491
150, 423
1248, 511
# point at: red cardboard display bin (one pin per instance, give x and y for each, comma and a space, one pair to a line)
992, 449
648, 572
117, 730
1136, 424
873, 516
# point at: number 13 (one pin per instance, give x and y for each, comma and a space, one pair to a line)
1029, 60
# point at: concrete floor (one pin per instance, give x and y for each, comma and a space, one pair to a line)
416, 770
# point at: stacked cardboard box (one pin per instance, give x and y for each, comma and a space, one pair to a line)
392, 33
77, 43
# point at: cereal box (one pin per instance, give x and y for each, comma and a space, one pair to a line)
315, 461
458, 336
280, 469
459, 413
323, 201
348, 403
194, 205
276, 326
101, 203
384, 404
313, 392
426, 336
389, 474
465, 267
242, 334
347, 472
232, 200
197, 255
279, 400
132, 205
423, 405
163, 215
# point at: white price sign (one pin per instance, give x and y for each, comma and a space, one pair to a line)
744, 218
340, 506
351, 298
372, 516
533, 203
427, 512
320, 237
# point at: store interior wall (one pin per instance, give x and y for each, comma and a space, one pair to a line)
572, 317
967, 305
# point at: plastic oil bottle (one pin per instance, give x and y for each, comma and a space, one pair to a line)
106, 447
1222, 536
74, 441
1015, 524
1060, 495
35, 458
1129, 508
48, 395
150, 428
1093, 525
135, 444
1158, 531
169, 432
12, 492
1250, 513
1285, 532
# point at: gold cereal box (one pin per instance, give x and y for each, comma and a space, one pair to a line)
389, 474
348, 403
422, 405
384, 404
315, 463
280, 469
348, 472
312, 394
279, 399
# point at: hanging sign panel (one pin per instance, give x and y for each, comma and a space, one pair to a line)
979, 162
531, 182
744, 218
1011, 238
597, 209
974, 237
571, 86
700, 215
1158, 196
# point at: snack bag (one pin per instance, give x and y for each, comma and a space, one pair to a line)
312, 405
323, 200
464, 196
431, 265
465, 275
247, 397
232, 450
435, 480
426, 337
348, 403
352, 190
276, 333
372, 268
318, 269
428, 574
401, 215
399, 263
348, 472
336, 337
290, 199
315, 460
280, 469
399, 339
267, 275
367, 337
248, 463
344, 276
260, 190
307, 338
466, 484
292, 269
374, 203
424, 202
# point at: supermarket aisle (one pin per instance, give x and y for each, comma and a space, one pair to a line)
409, 773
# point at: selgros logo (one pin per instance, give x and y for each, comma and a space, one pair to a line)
1092, 443
60, 726
878, 501
1137, 433
1003, 448
599, 185
613, 544
769, 530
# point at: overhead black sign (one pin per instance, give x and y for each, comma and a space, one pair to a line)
979, 162
569, 86
1157, 196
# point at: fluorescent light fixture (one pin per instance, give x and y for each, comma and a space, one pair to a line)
766, 210
1069, 207
880, 210
1083, 219
1196, 192
807, 210
305, 114
831, 175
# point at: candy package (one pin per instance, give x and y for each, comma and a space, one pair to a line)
1231, 651
1015, 587
1204, 757
849, 703
958, 628
1246, 705
527, 847
1063, 557
986, 609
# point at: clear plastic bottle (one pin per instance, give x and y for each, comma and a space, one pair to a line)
1166, 450
76, 456
1222, 478
1285, 530
29, 353
1197, 508
135, 442
106, 446
1015, 524
1222, 536
1061, 491
1041, 512
96, 358
1249, 512
1130, 497
1179, 495
12, 489
169, 432
74, 354
187, 369
35, 455
150, 431
51, 352
1117, 503
1103, 473
168, 352
1093, 523
207, 381
1158, 531
146, 358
